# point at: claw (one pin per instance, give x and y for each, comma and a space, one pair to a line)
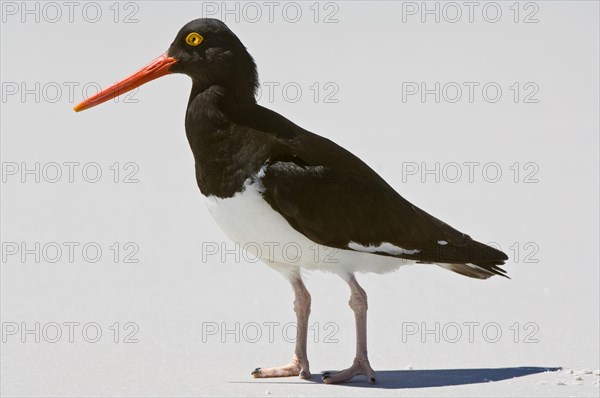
255, 371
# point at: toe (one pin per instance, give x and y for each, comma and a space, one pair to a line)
284, 371
358, 368
305, 374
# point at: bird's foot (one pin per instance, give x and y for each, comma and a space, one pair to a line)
360, 366
294, 368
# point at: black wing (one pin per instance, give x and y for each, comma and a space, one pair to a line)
336, 208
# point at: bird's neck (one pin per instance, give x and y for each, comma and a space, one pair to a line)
215, 104
217, 141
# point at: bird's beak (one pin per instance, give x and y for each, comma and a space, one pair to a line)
155, 69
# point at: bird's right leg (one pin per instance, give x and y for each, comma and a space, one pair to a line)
360, 366
299, 364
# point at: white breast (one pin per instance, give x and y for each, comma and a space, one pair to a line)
262, 232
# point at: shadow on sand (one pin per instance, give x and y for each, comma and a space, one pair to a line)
396, 379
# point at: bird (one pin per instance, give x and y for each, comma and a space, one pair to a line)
268, 181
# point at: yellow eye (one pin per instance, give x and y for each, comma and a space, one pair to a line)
193, 39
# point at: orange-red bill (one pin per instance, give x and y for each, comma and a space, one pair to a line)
155, 69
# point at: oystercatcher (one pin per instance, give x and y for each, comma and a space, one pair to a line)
271, 184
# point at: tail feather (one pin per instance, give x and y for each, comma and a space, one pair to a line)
473, 259
475, 271
479, 261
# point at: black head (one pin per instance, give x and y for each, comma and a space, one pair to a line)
207, 51
212, 55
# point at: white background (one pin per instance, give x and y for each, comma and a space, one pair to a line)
171, 292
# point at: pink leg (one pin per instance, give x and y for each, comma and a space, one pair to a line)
361, 366
299, 364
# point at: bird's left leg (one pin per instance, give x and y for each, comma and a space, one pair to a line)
299, 364
361, 366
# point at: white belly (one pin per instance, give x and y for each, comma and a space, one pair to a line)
263, 233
